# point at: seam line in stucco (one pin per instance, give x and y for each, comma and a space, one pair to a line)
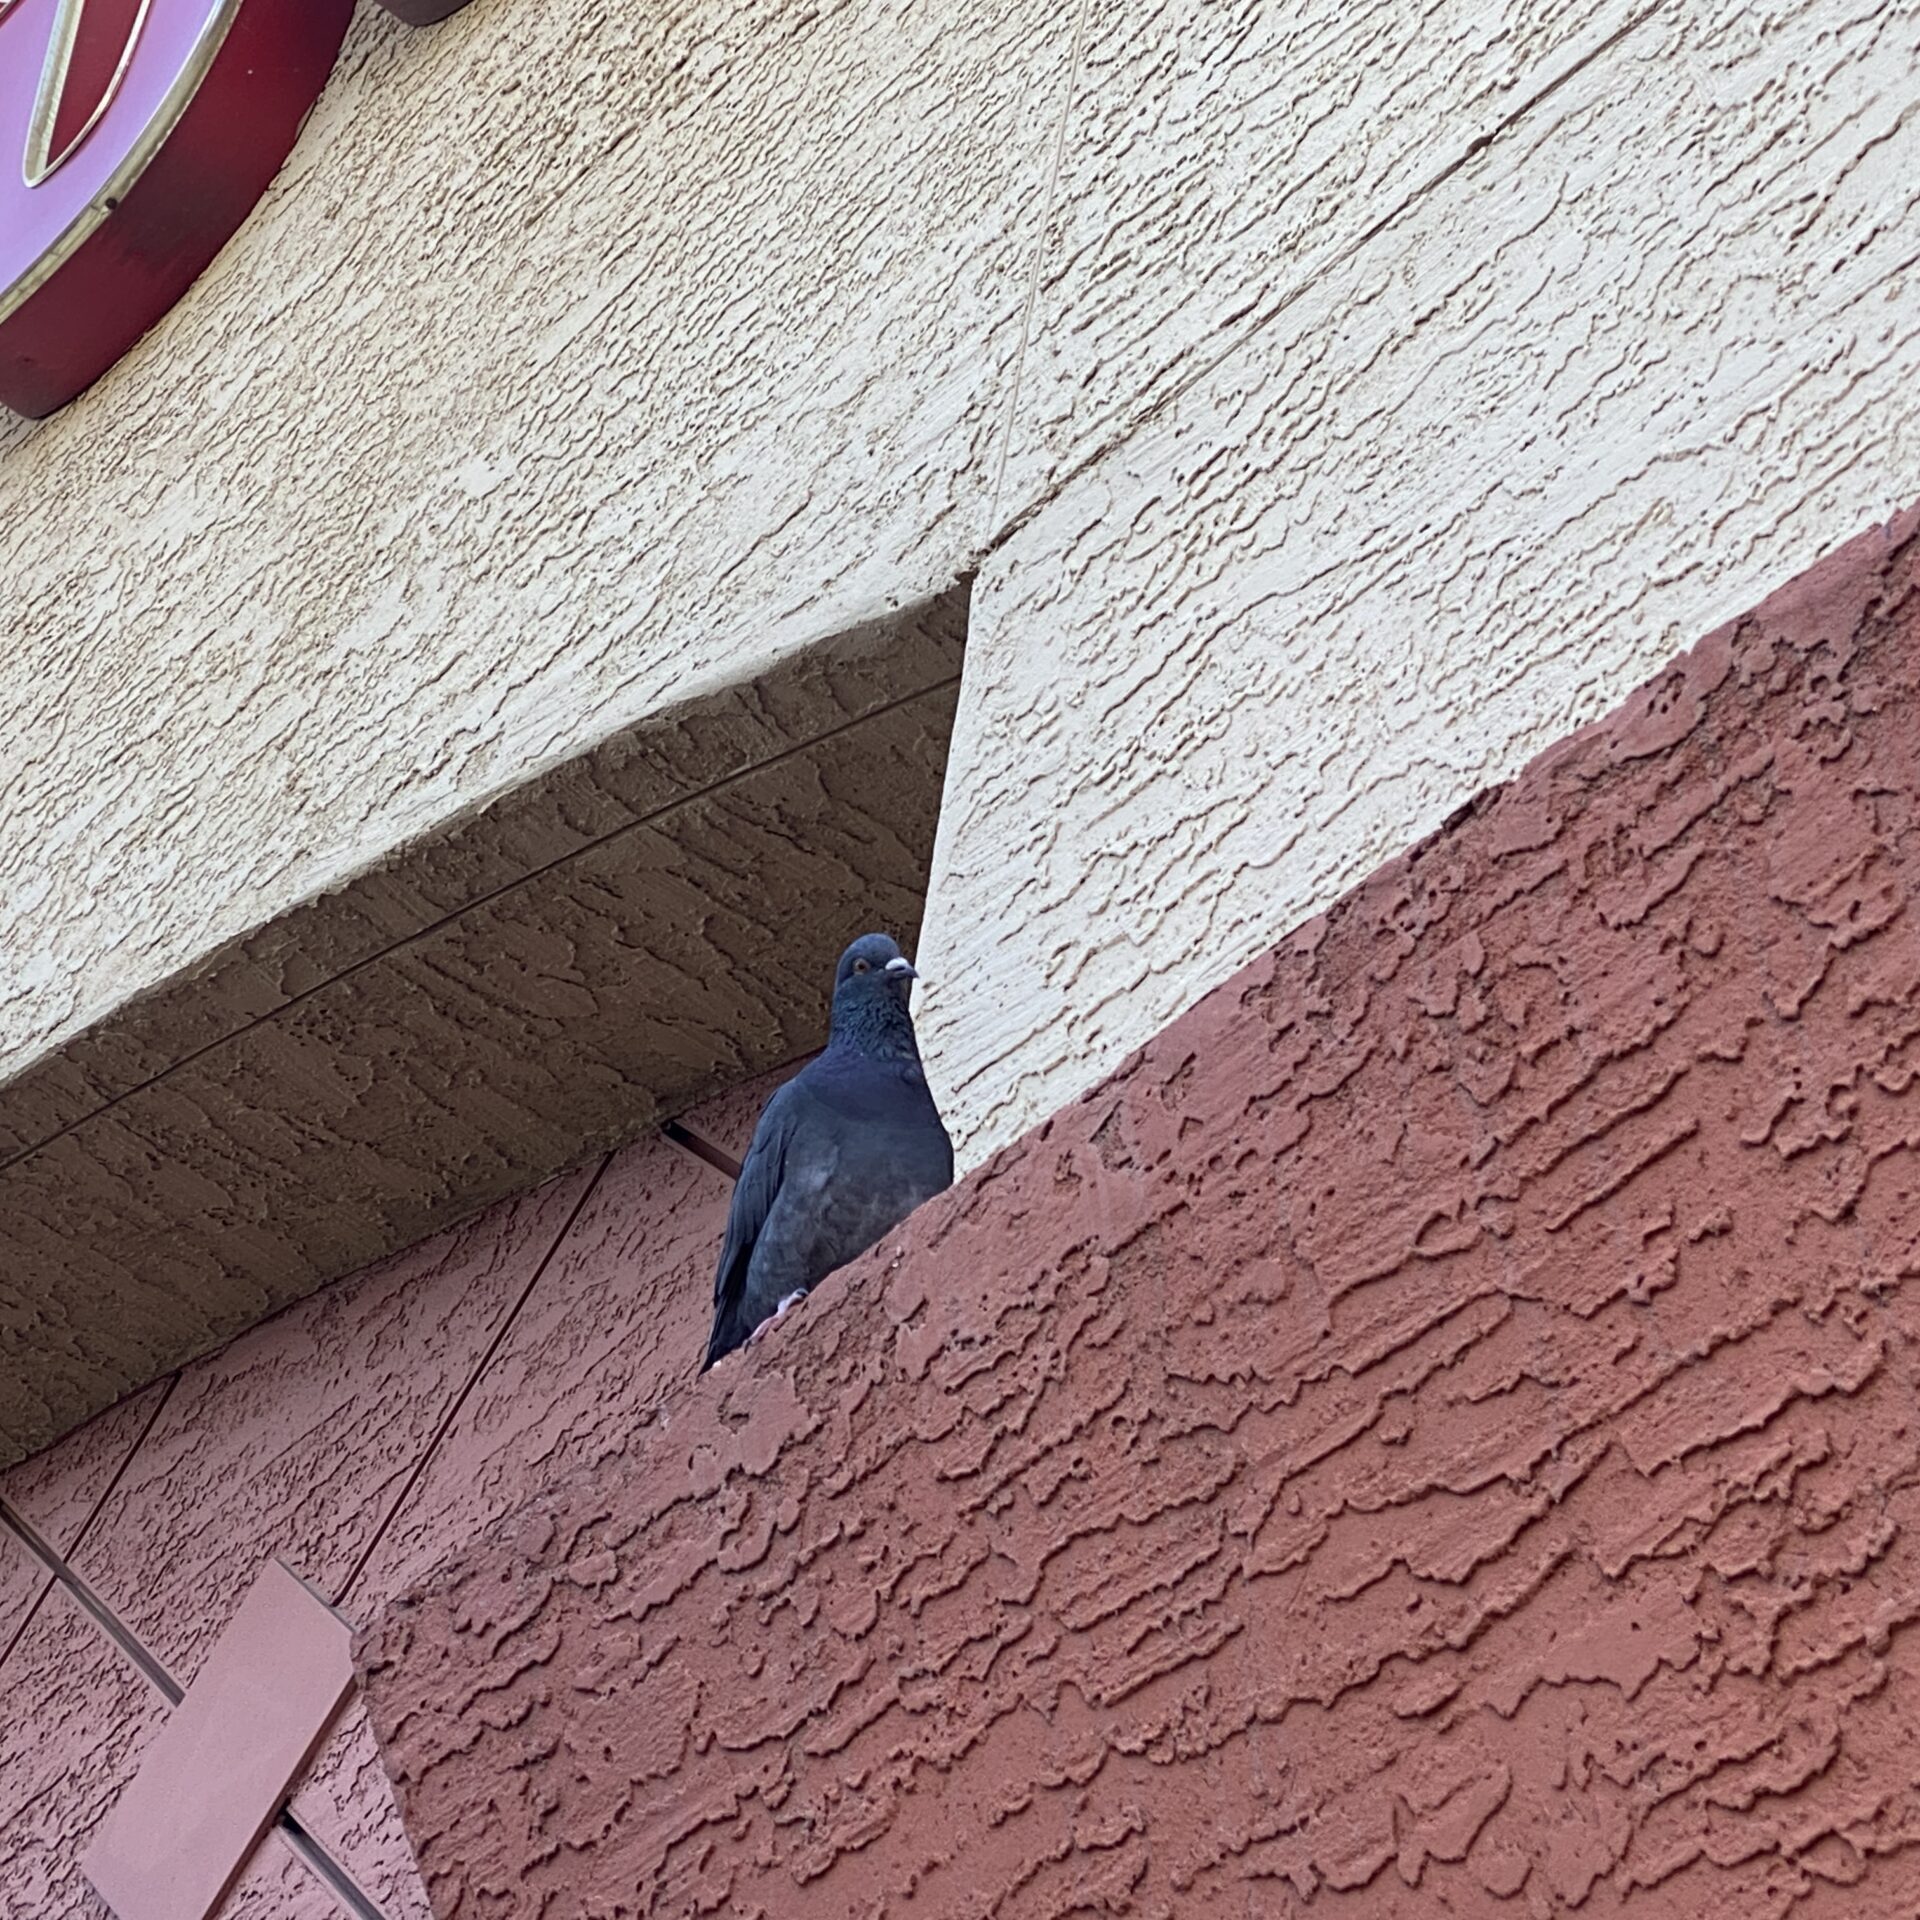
506, 1326
93, 1513
1202, 370
27, 1619
480, 900
1055, 169
90, 1603
295, 1837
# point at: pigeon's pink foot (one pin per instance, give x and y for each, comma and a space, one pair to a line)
792, 1300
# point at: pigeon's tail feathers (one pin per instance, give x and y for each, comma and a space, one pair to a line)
729, 1300
753, 1197
726, 1336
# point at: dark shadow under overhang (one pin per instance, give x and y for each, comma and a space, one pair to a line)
544, 979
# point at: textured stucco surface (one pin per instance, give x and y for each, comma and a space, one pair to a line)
75, 1722
1218, 160
364, 1435
780, 323
58, 1492
300, 1438
275, 1886
73, 1715
22, 1581
618, 1322
346, 1803
1332, 431
1432, 1434
654, 346
1461, 483
581, 358
667, 773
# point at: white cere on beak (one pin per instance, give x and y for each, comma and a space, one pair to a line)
900, 964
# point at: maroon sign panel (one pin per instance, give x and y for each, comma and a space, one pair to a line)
135, 136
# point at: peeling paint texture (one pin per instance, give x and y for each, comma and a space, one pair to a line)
1431, 1434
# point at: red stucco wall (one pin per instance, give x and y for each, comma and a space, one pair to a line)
1438, 1433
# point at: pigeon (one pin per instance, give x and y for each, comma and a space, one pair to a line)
845, 1150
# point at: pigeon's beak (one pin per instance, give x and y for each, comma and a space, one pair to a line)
901, 968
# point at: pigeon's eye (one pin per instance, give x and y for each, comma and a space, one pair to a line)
860, 966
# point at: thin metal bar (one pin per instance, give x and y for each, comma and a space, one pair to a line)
716, 1157
324, 1867
90, 1602
53, 1579
303, 1846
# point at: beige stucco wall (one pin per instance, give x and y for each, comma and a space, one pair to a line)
1339, 402
582, 357
1470, 479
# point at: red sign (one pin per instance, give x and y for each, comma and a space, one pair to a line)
135, 136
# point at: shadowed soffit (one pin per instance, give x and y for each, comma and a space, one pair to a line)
545, 979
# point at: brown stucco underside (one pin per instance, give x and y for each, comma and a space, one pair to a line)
608, 943
1436, 1433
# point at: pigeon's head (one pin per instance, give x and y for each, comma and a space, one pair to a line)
874, 967
870, 1001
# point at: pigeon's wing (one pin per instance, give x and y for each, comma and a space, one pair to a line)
753, 1197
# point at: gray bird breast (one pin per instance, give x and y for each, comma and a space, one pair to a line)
844, 1183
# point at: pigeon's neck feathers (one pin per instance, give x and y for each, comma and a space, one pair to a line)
869, 1021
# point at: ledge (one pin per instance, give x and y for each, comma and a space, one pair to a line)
1438, 1418
542, 980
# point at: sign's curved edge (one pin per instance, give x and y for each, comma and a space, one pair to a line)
157, 132
125, 255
